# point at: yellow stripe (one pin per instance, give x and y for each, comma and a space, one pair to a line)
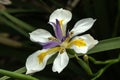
42, 55
61, 21
77, 42
62, 27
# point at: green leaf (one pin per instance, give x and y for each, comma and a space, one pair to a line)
17, 75
21, 70
104, 45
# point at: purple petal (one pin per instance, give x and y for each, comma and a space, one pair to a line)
58, 31
64, 37
50, 44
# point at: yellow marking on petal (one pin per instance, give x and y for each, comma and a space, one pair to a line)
77, 42
42, 55
61, 22
62, 27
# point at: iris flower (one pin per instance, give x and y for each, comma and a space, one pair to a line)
64, 39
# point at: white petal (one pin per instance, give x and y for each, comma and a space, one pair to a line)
61, 14
33, 64
60, 62
80, 49
40, 35
82, 26
90, 43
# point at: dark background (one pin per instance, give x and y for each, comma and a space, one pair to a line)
37, 12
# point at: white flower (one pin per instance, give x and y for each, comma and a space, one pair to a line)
63, 40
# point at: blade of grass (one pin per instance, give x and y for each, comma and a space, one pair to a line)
21, 70
107, 44
45, 6
22, 10
56, 3
17, 21
12, 25
10, 42
117, 20
17, 75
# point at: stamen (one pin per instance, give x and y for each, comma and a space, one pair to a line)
52, 39
71, 34
65, 43
62, 50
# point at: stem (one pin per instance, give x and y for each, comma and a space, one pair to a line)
17, 75
102, 62
101, 71
84, 65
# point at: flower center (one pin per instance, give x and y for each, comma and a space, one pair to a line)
65, 43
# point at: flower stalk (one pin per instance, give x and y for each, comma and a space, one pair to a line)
102, 70
84, 65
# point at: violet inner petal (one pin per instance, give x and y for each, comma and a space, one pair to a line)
58, 31
50, 44
64, 37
